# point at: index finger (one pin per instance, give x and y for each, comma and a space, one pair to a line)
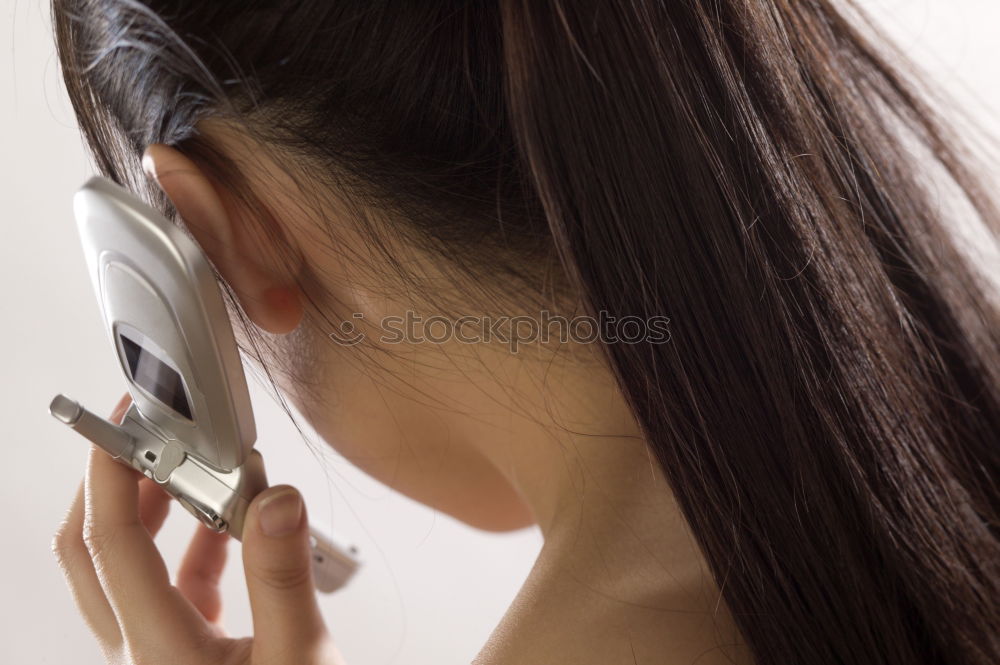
128, 564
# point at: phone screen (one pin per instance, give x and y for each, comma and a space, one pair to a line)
157, 377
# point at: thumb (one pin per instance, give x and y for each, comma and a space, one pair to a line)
288, 626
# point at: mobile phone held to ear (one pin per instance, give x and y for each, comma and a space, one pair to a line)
190, 427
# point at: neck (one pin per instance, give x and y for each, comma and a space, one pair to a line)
619, 577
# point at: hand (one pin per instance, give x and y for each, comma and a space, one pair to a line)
122, 588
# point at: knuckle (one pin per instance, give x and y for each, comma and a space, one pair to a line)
283, 577
96, 538
67, 546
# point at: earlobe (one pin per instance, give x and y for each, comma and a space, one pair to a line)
269, 298
280, 310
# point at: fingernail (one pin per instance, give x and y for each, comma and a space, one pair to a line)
149, 166
119, 411
280, 514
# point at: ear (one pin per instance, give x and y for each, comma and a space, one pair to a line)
266, 291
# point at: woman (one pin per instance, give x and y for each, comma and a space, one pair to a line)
776, 442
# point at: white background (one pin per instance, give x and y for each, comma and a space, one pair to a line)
431, 589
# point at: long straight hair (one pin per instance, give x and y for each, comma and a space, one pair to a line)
827, 410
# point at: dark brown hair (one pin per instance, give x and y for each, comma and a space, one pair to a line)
828, 408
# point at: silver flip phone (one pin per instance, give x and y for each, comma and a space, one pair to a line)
190, 427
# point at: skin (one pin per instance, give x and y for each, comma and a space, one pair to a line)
498, 440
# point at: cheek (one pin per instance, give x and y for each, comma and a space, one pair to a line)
380, 418
408, 430
377, 429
